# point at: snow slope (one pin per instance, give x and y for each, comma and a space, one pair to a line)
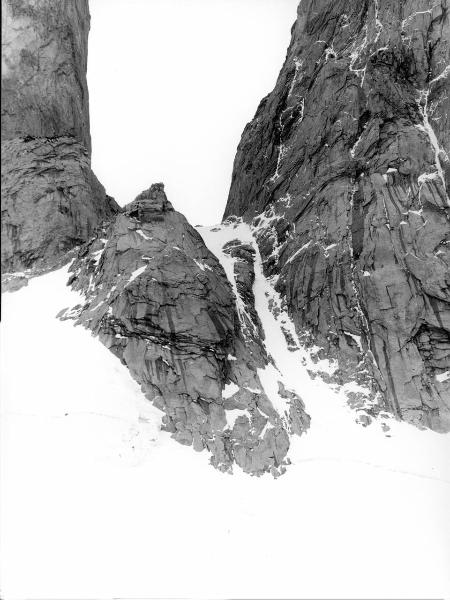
334, 433
96, 502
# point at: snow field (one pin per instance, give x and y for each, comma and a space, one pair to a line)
97, 502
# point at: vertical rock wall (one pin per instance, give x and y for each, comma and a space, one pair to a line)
51, 200
345, 170
44, 63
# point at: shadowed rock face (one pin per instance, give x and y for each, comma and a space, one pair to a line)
51, 200
345, 170
161, 301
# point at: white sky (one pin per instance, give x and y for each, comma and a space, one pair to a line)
172, 84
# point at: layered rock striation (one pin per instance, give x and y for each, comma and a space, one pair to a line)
344, 172
51, 200
161, 302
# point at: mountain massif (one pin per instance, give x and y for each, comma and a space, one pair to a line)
334, 251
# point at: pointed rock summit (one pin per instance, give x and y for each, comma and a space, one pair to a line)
161, 301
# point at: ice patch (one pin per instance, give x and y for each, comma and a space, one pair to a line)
356, 338
428, 129
413, 16
142, 234
424, 177
294, 256
441, 377
253, 390
201, 265
229, 390
233, 414
135, 274
97, 255
356, 144
441, 75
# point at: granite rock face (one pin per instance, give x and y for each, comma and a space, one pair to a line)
344, 171
44, 62
161, 302
51, 200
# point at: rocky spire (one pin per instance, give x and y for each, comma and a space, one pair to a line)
161, 301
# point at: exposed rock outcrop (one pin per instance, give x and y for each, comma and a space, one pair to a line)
345, 172
161, 301
51, 200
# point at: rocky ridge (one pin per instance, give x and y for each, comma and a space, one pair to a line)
162, 302
51, 200
344, 173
